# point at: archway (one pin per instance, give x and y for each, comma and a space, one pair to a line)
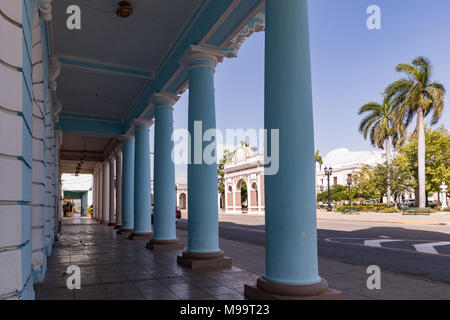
182, 201
222, 201
254, 197
241, 196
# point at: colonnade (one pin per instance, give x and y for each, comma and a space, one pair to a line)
291, 235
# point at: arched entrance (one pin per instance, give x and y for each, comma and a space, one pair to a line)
241, 196
253, 196
182, 201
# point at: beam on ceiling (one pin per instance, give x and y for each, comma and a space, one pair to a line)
77, 63
91, 127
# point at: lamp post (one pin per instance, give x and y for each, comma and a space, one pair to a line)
349, 184
328, 173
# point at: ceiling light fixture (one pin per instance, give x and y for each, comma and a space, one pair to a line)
124, 10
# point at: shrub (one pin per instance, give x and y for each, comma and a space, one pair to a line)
373, 207
446, 209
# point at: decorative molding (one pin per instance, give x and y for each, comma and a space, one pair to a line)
106, 68
45, 7
257, 24
54, 69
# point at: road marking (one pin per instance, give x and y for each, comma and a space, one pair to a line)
429, 247
377, 243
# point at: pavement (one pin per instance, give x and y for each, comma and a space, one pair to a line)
438, 218
113, 267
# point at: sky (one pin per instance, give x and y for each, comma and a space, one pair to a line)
351, 65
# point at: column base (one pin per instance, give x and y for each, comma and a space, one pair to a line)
195, 260
111, 224
117, 226
165, 245
140, 236
267, 290
125, 231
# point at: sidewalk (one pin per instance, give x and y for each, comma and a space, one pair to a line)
349, 278
439, 218
114, 267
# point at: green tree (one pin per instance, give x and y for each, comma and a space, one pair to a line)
437, 157
396, 174
337, 193
379, 126
363, 184
417, 95
318, 159
227, 155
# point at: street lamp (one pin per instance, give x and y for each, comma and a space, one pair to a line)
349, 184
328, 173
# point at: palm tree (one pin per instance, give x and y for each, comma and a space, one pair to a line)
318, 159
417, 94
379, 126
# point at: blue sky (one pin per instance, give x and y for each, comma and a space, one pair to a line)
351, 65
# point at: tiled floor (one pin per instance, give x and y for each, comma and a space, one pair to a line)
113, 267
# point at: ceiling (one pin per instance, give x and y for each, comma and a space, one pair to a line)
109, 62
136, 41
74, 147
112, 66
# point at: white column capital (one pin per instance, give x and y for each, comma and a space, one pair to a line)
118, 150
126, 137
143, 122
163, 100
201, 53
112, 157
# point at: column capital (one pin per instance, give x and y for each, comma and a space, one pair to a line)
142, 122
202, 57
111, 157
163, 100
118, 150
125, 137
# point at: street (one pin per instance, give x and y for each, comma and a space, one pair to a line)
418, 250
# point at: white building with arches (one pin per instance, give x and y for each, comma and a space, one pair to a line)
245, 167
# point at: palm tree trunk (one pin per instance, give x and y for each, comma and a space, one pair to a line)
421, 156
388, 160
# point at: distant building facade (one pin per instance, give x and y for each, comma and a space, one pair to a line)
344, 163
246, 167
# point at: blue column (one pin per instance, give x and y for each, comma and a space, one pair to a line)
291, 236
127, 183
164, 180
203, 229
142, 187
